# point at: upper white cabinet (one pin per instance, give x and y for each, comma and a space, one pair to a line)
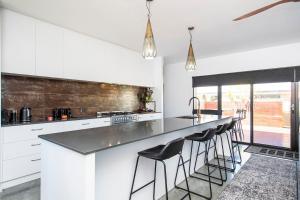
49, 50
18, 43
83, 58
32, 47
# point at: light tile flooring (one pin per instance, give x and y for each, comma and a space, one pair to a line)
31, 190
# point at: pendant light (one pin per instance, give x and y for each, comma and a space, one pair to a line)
149, 48
190, 62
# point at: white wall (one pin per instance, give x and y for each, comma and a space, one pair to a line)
178, 82
158, 89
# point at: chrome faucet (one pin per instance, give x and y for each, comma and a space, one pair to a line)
198, 110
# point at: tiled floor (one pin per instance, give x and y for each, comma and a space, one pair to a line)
31, 190
26, 191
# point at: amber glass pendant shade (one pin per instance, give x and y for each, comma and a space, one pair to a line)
149, 48
190, 62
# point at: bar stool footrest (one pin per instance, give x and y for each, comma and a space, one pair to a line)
194, 193
213, 182
143, 186
222, 167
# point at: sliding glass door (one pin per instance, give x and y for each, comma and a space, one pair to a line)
272, 114
268, 116
236, 99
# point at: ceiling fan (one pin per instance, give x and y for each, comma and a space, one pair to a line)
255, 12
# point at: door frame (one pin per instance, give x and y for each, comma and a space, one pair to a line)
294, 117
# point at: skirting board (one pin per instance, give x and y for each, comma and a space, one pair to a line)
19, 181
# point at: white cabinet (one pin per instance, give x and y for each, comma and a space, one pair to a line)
75, 56
18, 44
149, 116
22, 133
84, 58
21, 147
32, 47
49, 50
20, 167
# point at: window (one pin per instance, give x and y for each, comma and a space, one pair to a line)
208, 97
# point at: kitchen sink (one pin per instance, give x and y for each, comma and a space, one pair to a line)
187, 117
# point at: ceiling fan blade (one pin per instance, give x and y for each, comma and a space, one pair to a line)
255, 12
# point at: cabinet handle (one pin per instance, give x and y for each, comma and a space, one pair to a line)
33, 145
34, 160
37, 129
85, 124
107, 121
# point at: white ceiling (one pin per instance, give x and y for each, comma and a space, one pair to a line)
123, 22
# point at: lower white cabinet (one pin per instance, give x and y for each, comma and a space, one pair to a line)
20, 167
21, 147
26, 132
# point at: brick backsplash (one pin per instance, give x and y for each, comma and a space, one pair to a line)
42, 95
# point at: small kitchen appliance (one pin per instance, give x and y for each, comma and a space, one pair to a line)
25, 115
5, 115
13, 116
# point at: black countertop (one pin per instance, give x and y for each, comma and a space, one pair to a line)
96, 139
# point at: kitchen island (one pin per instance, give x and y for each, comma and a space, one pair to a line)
98, 163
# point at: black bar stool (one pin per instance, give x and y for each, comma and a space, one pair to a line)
161, 153
223, 130
204, 137
232, 129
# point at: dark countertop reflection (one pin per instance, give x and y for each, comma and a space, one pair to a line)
96, 139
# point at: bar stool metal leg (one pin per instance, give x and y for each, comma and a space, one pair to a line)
136, 165
154, 180
190, 160
231, 150
208, 171
186, 181
219, 166
224, 167
166, 183
234, 134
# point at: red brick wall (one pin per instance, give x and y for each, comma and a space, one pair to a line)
42, 95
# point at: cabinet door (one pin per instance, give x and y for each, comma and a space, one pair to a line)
49, 50
75, 56
18, 48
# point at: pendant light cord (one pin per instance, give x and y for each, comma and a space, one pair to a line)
191, 36
148, 8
